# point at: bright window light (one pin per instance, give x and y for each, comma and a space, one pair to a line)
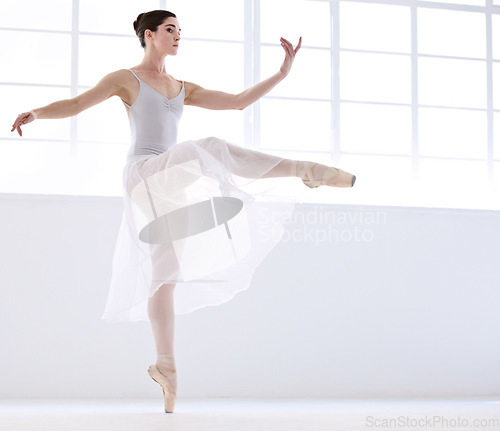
452, 82
496, 128
294, 18
375, 77
451, 33
28, 14
453, 133
295, 124
375, 27
496, 36
375, 129
30, 57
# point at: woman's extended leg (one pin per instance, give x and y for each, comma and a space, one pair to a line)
248, 163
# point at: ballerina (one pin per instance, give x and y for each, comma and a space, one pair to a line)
179, 197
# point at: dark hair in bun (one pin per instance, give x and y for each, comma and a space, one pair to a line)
150, 21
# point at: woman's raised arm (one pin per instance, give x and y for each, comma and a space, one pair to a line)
199, 96
108, 86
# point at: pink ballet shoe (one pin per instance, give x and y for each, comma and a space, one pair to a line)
169, 392
332, 177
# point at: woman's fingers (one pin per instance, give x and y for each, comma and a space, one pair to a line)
16, 126
21, 119
298, 45
289, 47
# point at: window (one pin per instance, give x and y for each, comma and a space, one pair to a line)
396, 92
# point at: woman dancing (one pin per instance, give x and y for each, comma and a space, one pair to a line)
188, 220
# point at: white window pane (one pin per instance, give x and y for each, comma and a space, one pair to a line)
99, 16
290, 124
199, 123
375, 27
463, 2
294, 18
496, 36
194, 62
35, 57
453, 184
113, 53
55, 14
99, 169
450, 82
105, 122
300, 82
496, 134
215, 19
496, 180
379, 180
496, 85
375, 128
452, 133
442, 32
22, 99
375, 77
40, 167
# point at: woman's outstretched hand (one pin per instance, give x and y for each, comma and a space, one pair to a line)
289, 55
21, 120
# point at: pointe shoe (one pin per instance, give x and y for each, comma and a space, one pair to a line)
169, 392
332, 177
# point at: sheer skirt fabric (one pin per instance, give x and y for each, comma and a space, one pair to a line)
200, 216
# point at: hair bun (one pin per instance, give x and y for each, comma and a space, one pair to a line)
136, 22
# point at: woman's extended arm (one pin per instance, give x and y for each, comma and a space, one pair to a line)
108, 86
199, 96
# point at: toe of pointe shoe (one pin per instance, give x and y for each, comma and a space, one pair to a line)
169, 392
310, 183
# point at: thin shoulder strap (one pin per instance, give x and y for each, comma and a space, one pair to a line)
134, 75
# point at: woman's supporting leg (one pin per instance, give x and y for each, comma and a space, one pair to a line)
162, 319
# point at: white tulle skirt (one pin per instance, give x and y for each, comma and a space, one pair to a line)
200, 216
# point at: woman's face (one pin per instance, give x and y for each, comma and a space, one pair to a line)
166, 38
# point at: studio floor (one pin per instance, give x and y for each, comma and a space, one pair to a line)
250, 414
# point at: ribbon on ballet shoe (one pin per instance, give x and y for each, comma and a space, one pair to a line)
329, 177
302, 169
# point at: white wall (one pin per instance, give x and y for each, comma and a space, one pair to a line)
411, 309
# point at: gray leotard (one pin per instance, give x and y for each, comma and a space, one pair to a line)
154, 120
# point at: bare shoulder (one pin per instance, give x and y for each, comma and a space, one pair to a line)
122, 82
189, 87
122, 77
